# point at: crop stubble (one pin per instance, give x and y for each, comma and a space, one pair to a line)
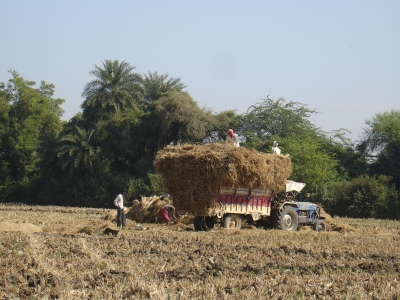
175, 262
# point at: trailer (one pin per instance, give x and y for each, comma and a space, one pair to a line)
234, 206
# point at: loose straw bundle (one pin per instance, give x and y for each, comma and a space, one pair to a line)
193, 174
147, 210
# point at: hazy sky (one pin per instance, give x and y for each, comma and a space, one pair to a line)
341, 58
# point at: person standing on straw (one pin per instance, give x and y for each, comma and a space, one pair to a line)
119, 203
232, 138
275, 148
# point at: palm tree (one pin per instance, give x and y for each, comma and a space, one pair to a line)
114, 88
155, 85
75, 149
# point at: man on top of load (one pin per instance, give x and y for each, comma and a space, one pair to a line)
275, 149
232, 138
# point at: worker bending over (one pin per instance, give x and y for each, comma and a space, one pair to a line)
168, 211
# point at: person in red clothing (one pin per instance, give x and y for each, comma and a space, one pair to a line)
168, 211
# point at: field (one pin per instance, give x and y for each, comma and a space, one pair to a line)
62, 253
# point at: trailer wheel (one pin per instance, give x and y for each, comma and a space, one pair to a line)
286, 218
319, 225
232, 221
202, 223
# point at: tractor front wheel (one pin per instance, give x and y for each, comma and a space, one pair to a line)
319, 225
286, 218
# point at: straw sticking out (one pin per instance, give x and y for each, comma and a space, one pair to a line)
193, 174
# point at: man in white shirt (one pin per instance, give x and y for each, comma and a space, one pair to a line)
275, 149
232, 138
119, 203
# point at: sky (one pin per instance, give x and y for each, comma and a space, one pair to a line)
341, 58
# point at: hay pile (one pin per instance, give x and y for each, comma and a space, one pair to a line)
97, 227
147, 210
336, 225
193, 174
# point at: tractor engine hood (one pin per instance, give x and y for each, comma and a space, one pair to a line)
307, 205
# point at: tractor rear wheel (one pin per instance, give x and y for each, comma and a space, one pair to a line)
286, 218
202, 223
232, 221
319, 225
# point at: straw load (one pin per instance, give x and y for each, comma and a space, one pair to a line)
194, 174
147, 210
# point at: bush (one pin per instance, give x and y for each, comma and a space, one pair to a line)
364, 197
81, 190
151, 185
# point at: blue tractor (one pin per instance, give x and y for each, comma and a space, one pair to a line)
291, 212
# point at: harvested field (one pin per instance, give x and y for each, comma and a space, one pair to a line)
175, 262
193, 174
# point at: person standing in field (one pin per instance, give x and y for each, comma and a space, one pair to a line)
168, 211
119, 203
232, 138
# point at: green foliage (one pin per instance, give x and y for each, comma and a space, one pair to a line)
222, 122
364, 197
115, 87
154, 86
121, 139
271, 119
311, 163
128, 117
75, 148
350, 162
381, 145
82, 189
28, 116
151, 185
178, 119
381, 130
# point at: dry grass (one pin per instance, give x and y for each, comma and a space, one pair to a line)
193, 174
174, 262
147, 210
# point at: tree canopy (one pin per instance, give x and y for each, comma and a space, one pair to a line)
381, 145
115, 87
28, 115
127, 117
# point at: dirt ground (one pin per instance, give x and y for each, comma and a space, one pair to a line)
63, 253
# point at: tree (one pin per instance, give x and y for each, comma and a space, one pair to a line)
122, 139
75, 149
270, 119
312, 164
350, 162
28, 116
131, 138
365, 197
223, 121
115, 88
154, 86
178, 119
381, 145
